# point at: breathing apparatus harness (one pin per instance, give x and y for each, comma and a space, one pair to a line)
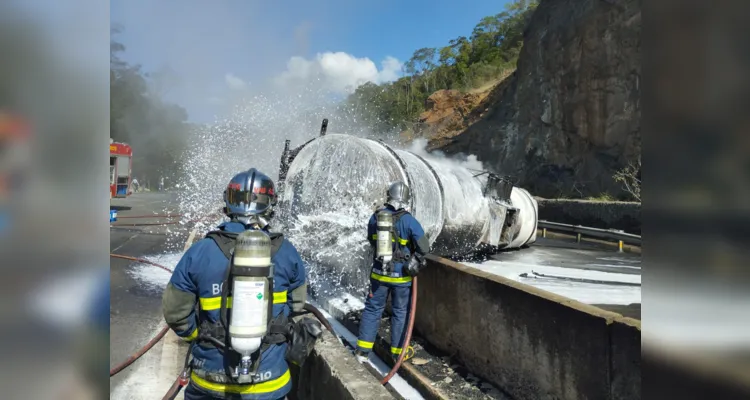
278, 330
386, 236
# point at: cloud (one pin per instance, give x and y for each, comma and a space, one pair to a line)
338, 72
234, 82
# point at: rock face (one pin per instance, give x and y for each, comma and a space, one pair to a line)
569, 116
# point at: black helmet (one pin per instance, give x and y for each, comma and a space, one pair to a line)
250, 193
398, 195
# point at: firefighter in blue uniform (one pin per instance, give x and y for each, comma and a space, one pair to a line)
200, 277
410, 246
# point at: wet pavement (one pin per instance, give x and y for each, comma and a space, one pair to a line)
588, 272
135, 309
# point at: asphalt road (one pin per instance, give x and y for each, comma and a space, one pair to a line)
135, 310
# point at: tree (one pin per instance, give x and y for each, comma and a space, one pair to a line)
466, 62
630, 178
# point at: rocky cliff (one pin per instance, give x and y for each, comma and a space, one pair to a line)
569, 117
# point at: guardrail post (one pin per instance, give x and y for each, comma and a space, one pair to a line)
619, 246
544, 232
578, 238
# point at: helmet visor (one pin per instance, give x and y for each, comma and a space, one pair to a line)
245, 202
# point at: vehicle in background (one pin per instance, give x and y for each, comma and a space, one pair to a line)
120, 168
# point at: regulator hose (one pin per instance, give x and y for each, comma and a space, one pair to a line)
412, 312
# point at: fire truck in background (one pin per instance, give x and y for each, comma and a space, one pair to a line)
15, 153
120, 166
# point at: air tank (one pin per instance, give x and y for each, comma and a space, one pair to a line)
331, 185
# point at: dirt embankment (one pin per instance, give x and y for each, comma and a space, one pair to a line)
568, 117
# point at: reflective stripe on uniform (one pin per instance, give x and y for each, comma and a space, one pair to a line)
377, 271
214, 303
191, 336
365, 345
396, 350
279, 297
402, 242
389, 279
257, 388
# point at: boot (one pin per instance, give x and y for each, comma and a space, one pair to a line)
361, 356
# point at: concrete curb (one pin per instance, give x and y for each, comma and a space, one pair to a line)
332, 372
531, 343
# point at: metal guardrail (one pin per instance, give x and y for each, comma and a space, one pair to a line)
610, 234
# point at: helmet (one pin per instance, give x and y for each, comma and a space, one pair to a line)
398, 195
250, 193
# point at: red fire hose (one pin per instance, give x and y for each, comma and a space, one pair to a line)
152, 342
159, 336
152, 216
161, 216
412, 312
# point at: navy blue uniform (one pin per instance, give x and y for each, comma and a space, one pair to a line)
410, 238
198, 278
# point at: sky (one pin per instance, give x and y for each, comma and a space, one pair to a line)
214, 51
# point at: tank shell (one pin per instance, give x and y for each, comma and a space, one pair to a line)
336, 182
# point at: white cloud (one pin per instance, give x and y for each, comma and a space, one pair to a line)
234, 82
338, 72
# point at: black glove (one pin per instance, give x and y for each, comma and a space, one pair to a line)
415, 265
304, 334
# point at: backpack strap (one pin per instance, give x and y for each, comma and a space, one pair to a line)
226, 240
277, 239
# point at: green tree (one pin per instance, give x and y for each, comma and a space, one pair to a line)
466, 62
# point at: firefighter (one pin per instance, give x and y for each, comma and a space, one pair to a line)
201, 276
400, 249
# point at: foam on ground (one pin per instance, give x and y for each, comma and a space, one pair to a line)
590, 293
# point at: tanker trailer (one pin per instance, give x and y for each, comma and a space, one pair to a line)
330, 186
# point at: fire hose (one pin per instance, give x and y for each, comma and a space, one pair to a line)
182, 379
407, 339
161, 223
152, 216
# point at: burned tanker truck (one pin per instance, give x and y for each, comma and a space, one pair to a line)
330, 186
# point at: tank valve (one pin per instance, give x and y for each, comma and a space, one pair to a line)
245, 365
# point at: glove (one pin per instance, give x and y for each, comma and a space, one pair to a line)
415, 265
304, 334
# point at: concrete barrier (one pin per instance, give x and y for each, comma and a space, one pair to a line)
621, 215
625, 359
531, 343
332, 372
